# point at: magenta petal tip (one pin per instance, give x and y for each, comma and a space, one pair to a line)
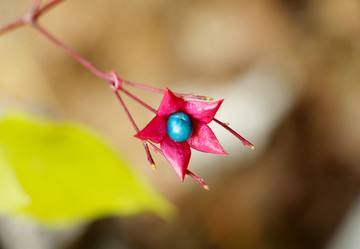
204, 139
178, 155
202, 111
154, 131
170, 104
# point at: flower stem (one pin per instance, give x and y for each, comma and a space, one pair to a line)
157, 90
146, 147
12, 26
46, 7
243, 140
34, 8
198, 179
188, 172
74, 55
106, 77
138, 100
32, 14
154, 147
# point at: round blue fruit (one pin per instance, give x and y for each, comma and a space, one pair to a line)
179, 127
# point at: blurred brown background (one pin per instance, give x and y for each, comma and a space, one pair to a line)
290, 75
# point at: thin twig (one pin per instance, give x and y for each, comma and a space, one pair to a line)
138, 100
46, 7
32, 15
198, 179
73, 54
157, 90
149, 157
243, 140
34, 7
154, 147
12, 26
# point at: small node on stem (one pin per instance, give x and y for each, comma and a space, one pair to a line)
29, 18
116, 83
153, 166
253, 147
206, 187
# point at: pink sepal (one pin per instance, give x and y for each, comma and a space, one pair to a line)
178, 155
154, 131
202, 111
203, 139
170, 104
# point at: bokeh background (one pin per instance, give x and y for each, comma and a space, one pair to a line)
289, 71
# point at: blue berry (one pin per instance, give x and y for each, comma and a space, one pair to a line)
179, 127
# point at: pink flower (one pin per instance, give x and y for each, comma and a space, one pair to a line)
202, 137
178, 126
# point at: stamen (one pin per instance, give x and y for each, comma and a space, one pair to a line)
243, 140
198, 179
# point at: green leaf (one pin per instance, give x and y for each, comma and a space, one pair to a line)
64, 173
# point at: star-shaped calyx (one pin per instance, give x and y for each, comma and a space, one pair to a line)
180, 125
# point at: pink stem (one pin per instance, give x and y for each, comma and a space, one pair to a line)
243, 140
46, 7
188, 172
74, 55
146, 147
156, 90
33, 14
117, 86
155, 148
198, 179
138, 100
127, 112
102, 75
34, 7
12, 26
152, 89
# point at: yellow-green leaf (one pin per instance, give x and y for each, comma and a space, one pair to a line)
64, 173
12, 196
